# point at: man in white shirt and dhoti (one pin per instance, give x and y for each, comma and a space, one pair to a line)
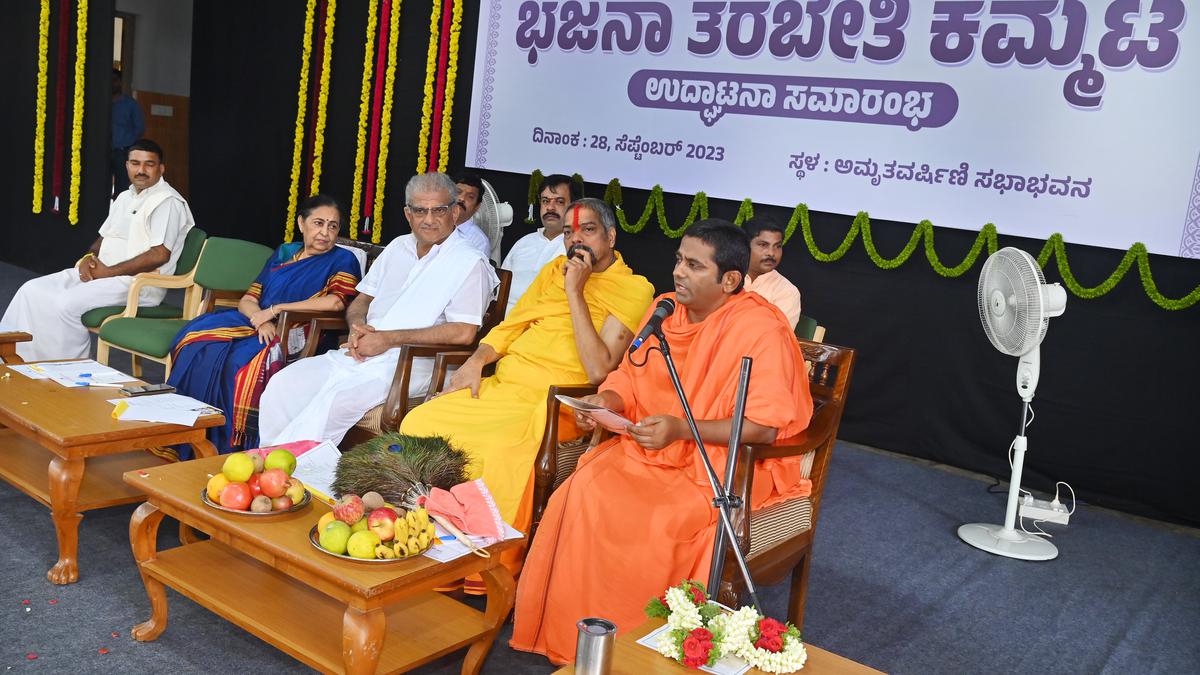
427, 287
530, 254
144, 232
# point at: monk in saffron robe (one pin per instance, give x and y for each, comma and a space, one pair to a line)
572, 326
636, 516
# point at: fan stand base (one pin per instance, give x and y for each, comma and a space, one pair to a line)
1006, 542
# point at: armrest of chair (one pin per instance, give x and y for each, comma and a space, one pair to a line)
397, 403
152, 280
318, 323
545, 466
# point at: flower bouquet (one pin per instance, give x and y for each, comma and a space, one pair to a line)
699, 632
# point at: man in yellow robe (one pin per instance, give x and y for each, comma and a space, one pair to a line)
572, 326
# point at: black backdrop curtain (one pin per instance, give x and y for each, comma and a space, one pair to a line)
1118, 385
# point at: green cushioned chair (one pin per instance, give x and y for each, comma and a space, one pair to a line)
225, 269
808, 329
183, 268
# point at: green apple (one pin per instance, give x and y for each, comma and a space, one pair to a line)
360, 525
281, 459
334, 537
362, 544
238, 467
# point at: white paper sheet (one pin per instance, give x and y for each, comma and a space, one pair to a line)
726, 665
165, 408
317, 468
77, 373
609, 419
451, 548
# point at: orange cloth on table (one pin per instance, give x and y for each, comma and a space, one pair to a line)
779, 292
630, 522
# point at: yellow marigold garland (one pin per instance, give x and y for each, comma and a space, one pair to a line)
39, 133
323, 97
77, 122
435, 22
385, 130
364, 113
301, 105
451, 74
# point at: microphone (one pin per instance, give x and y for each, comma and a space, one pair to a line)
665, 308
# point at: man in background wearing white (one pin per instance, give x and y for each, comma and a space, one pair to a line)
144, 232
766, 252
470, 194
531, 252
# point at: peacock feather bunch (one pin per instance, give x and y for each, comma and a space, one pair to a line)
400, 467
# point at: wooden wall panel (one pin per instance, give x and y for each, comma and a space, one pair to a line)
167, 124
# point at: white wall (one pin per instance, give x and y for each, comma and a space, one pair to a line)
162, 45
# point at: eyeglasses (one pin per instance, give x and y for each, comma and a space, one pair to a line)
437, 211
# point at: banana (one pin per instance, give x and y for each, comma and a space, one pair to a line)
411, 519
431, 531
414, 546
401, 549
423, 540
401, 530
422, 516
385, 553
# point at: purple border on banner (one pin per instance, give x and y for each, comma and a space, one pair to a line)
489, 78
1189, 247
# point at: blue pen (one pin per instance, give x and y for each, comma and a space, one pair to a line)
85, 374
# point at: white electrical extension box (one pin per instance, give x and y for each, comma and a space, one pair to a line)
1040, 509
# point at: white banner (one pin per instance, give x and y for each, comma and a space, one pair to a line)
1040, 116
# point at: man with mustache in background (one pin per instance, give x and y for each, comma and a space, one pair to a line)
572, 326
144, 232
530, 254
766, 252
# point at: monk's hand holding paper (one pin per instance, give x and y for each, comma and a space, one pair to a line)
583, 420
658, 431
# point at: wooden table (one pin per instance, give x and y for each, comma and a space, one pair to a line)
8, 346
630, 658
71, 430
334, 615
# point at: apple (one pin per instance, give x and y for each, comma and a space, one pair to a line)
349, 509
382, 522
255, 486
238, 467
281, 503
334, 536
281, 459
236, 496
359, 525
261, 504
273, 482
295, 490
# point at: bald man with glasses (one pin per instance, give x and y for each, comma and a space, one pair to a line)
428, 287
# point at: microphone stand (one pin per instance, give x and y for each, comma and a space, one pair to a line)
723, 501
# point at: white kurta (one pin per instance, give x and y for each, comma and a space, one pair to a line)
526, 258
320, 398
475, 237
49, 307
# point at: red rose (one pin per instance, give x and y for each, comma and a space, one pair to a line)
771, 627
663, 599
696, 647
697, 595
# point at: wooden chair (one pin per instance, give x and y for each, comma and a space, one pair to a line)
386, 417
223, 272
777, 540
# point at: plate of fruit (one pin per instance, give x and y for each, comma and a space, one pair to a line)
252, 485
368, 530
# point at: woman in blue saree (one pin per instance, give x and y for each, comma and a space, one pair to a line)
225, 358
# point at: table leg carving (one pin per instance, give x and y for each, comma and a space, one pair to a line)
66, 475
203, 448
501, 594
143, 537
362, 639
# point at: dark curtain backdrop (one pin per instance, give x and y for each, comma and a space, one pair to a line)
1118, 388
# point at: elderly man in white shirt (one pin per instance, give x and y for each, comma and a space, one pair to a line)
427, 287
144, 232
470, 194
530, 254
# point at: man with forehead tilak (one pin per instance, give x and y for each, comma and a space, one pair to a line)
572, 326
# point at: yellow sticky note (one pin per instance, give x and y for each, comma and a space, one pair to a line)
119, 409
